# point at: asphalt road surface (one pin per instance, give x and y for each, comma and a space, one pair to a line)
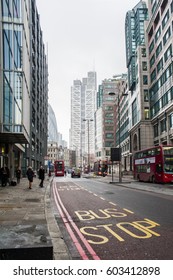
109, 222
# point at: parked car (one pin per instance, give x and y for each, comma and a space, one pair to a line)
76, 173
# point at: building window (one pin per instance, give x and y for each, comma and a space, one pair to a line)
159, 49
156, 130
154, 7
146, 95
152, 60
144, 66
109, 144
158, 33
168, 53
146, 113
109, 135
145, 80
166, 36
172, 6
153, 75
160, 65
7, 47
143, 52
171, 121
163, 125
164, 99
7, 117
134, 112
165, 20
151, 47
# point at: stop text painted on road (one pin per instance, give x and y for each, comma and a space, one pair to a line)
137, 229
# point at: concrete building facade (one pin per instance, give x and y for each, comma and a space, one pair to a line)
160, 49
140, 128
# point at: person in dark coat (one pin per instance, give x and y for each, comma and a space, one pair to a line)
30, 175
18, 175
4, 176
41, 174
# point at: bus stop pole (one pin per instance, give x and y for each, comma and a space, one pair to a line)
112, 171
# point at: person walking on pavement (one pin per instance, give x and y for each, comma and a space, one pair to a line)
4, 176
18, 175
30, 175
41, 174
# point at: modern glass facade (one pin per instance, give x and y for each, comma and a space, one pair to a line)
37, 148
52, 126
14, 81
23, 86
135, 36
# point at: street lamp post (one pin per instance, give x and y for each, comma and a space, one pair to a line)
119, 140
88, 120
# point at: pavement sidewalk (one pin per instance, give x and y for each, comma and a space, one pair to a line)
28, 229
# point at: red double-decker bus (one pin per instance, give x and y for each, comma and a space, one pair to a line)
154, 164
59, 168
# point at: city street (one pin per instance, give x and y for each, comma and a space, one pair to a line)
100, 220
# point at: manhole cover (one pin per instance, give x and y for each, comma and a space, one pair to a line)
32, 200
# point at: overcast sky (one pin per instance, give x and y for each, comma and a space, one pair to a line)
82, 36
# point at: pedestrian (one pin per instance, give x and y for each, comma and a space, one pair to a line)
41, 174
30, 175
4, 175
18, 175
65, 172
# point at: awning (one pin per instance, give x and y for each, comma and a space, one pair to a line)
13, 138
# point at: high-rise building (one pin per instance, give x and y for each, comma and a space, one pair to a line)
105, 118
160, 49
83, 105
37, 148
23, 86
141, 131
52, 125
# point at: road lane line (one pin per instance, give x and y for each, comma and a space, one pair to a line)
127, 210
85, 242
112, 203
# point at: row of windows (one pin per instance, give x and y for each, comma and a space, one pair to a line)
162, 102
161, 81
11, 8
167, 54
148, 153
12, 53
109, 135
162, 126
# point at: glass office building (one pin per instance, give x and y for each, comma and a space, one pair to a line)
16, 85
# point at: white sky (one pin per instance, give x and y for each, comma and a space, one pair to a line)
82, 36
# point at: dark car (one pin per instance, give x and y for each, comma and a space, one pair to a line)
76, 173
